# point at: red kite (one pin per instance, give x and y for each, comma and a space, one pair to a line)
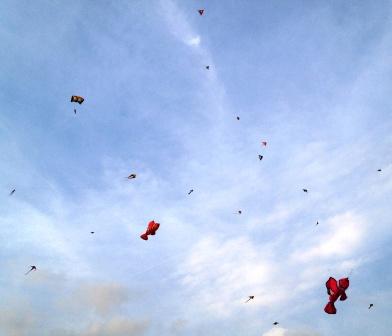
201, 11
335, 291
152, 227
264, 143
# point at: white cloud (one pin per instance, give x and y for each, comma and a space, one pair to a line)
224, 273
194, 41
342, 236
286, 332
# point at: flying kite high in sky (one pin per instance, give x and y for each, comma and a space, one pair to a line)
335, 291
379, 170
132, 176
251, 297
238, 118
33, 268
201, 11
190, 192
264, 143
152, 227
275, 323
12, 192
207, 67
261, 157
370, 306
77, 99
305, 190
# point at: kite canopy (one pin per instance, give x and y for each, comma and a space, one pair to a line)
152, 228
77, 99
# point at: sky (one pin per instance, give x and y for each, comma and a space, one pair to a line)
313, 79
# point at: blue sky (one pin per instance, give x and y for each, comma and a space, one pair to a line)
312, 79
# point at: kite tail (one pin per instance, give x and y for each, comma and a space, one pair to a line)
330, 308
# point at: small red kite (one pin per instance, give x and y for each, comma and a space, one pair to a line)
152, 227
335, 291
201, 11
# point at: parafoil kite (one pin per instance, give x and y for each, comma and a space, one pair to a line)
77, 99
152, 227
336, 290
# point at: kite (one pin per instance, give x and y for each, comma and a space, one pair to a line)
33, 268
250, 298
12, 192
264, 143
201, 11
261, 157
317, 223
207, 67
152, 227
335, 291
92, 232
77, 99
132, 176
190, 192
379, 170
305, 190
238, 118
370, 306
275, 323
239, 212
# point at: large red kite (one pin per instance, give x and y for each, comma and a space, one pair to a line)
335, 291
152, 227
